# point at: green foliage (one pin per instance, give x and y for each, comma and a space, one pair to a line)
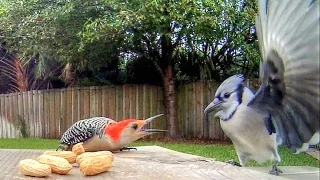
22, 127
205, 39
48, 31
214, 38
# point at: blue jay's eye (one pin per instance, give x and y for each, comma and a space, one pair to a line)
226, 95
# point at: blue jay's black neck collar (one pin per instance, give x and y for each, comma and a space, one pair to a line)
240, 93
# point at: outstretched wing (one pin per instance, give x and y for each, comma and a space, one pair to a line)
85, 129
288, 33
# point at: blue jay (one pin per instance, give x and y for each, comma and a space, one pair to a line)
285, 109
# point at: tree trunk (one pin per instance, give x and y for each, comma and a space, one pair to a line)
166, 71
170, 104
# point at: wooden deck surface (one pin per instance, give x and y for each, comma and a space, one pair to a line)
148, 162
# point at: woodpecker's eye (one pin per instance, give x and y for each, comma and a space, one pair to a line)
226, 95
135, 126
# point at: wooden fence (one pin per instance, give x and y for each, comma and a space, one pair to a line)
48, 113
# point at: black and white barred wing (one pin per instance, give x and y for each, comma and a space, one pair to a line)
85, 129
288, 33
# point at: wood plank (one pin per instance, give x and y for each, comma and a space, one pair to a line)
180, 109
189, 110
211, 119
146, 100
75, 105
98, 101
140, 102
81, 102
35, 100
46, 114
152, 106
186, 110
93, 107
14, 126
199, 110
7, 112
57, 119
2, 116
218, 131
35, 109
192, 119
52, 123
15, 117
10, 115
160, 110
206, 98
119, 103
126, 102
194, 110
1, 119
68, 101
26, 112
63, 111
20, 113
112, 102
215, 122
86, 102
156, 124
133, 96
104, 101
7, 109
41, 114
31, 114
148, 105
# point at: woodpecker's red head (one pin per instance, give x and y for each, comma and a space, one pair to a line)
129, 130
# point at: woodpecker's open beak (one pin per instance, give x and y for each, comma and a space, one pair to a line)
214, 106
144, 123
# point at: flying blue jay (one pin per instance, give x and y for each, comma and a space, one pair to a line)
285, 109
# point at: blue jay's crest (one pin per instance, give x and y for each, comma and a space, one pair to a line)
232, 83
235, 79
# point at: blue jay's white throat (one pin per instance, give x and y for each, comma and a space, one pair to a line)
222, 110
230, 94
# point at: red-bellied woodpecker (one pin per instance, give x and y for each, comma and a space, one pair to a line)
101, 133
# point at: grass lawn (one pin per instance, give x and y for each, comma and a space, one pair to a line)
222, 152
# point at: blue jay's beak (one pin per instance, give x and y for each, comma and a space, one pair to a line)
213, 106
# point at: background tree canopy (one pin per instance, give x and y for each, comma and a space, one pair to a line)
100, 42
211, 39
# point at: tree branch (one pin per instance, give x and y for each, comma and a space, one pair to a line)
176, 44
156, 64
151, 53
